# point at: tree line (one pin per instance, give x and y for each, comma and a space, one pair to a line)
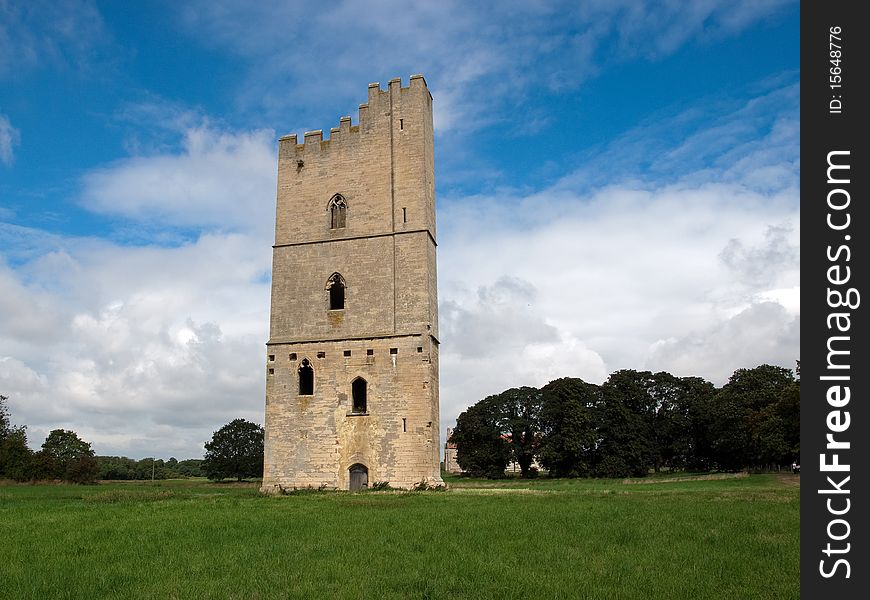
235, 451
634, 423
122, 468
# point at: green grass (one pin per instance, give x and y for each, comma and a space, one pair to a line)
729, 538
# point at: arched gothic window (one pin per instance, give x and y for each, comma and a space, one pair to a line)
306, 378
335, 285
337, 212
359, 390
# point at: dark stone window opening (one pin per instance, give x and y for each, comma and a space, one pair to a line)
337, 212
292, 356
335, 285
359, 392
321, 355
347, 352
394, 350
370, 352
306, 378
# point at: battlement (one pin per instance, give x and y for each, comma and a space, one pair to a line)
379, 104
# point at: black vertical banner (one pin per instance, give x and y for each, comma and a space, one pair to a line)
835, 369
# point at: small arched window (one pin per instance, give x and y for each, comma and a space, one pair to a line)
306, 378
359, 391
337, 212
335, 286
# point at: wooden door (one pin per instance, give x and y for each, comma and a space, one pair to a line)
359, 478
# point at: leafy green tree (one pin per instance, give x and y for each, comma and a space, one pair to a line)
5, 419
190, 467
756, 419
567, 427
676, 406
519, 410
481, 449
15, 455
235, 450
70, 458
624, 420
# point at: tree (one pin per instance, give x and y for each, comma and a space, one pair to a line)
67, 457
5, 420
15, 456
235, 450
624, 421
757, 418
519, 410
567, 427
481, 449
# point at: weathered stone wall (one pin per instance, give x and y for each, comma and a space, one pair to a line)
313, 440
384, 169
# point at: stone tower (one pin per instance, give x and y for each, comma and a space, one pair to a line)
352, 356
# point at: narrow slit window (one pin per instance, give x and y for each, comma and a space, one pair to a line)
306, 378
337, 212
359, 390
404, 215
404, 424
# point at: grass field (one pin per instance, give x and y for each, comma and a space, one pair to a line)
679, 538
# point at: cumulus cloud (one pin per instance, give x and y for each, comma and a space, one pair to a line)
600, 281
218, 179
764, 332
142, 350
9, 138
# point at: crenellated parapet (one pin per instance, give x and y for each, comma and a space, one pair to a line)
381, 104
352, 359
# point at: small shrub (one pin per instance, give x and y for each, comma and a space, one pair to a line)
306, 490
380, 486
425, 486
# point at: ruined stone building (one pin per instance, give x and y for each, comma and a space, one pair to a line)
352, 356
450, 463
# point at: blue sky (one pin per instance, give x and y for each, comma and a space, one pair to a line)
636, 165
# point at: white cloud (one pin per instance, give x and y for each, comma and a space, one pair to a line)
142, 351
219, 179
9, 138
596, 284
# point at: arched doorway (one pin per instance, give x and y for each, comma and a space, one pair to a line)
359, 477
